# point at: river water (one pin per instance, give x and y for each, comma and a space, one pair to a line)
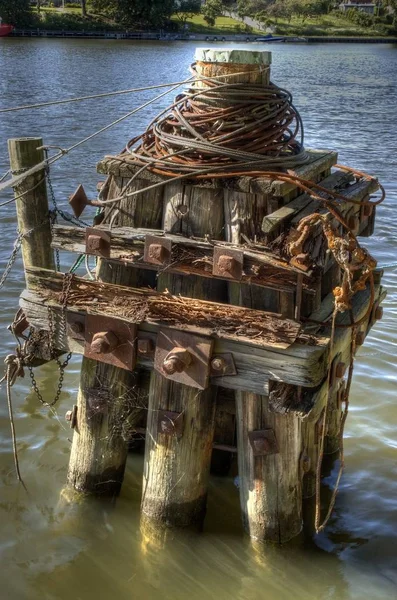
347, 95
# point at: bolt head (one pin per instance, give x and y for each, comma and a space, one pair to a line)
157, 252
76, 327
69, 415
104, 342
94, 243
218, 364
379, 312
261, 445
360, 338
227, 264
145, 346
177, 361
340, 370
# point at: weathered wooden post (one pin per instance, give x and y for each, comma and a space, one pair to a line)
32, 203
177, 461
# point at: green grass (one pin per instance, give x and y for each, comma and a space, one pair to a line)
325, 25
222, 25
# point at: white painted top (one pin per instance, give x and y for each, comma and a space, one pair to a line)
225, 55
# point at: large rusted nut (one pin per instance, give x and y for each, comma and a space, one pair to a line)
218, 364
360, 338
69, 415
261, 445
145, 346
354, 223
177, 361
378, 312
227, 264
340, 370
104, 342
94, 243
157, 252
76, 327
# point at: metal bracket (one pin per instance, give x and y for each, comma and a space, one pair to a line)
157, 250
111, 341
183, 357
263, 442
75, 326
97, 242
78, 201
170, 423
338, 370
228, 263
222, 365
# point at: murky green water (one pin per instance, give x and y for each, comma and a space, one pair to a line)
347, 97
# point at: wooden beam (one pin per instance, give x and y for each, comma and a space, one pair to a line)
189, 256
319, 161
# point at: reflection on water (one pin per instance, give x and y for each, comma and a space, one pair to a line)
55, 549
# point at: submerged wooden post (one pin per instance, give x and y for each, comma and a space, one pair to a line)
177, 465
32, 203
270, 486
109, 396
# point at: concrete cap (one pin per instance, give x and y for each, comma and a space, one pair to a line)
225, 55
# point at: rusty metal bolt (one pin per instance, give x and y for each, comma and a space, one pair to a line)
76, 327
182, 210
177, 361
157, 252
94, 243
340, 370
218, 364
69, 415
226, 263
145, 346
354, 223
367, 210
261, 445
379, 312
305, 463
104, 342
360, 338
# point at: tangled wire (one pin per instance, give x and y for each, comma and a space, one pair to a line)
214, 126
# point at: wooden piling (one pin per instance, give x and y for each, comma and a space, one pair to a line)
109, 396
32, 203
177, 466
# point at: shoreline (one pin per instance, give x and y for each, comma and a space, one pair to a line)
157, 36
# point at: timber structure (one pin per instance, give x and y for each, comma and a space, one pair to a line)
210, 323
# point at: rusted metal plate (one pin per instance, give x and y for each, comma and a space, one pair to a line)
75, 326
170, 423
123, 354
157, 250
97, 242
263, 442
222, 364
193, 372
228, 263
78, 201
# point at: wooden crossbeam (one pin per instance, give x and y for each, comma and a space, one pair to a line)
304, 363
318, 164
189, 256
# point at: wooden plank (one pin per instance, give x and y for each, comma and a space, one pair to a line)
337, 181
318, 163
139, 305
357, 191
190, 256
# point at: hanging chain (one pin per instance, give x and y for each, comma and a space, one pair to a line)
66, 287
12, 259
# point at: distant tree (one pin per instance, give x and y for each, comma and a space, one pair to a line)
211, 10
15, 12
135, 13
186, 9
